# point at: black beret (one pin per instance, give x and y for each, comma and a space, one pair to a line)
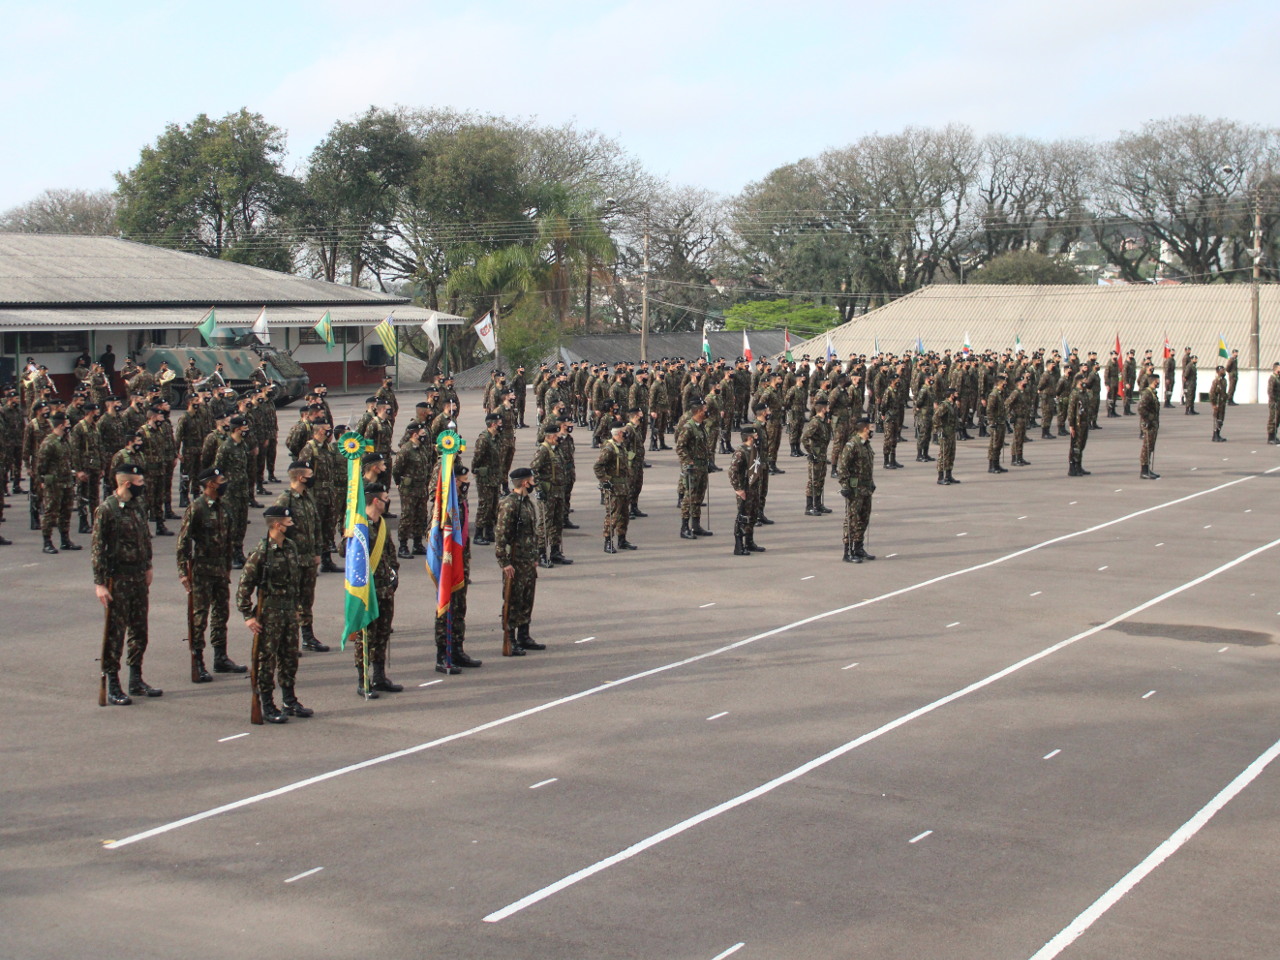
58, 418
461, 471
239, 422
521, 473
91, 406
276, 512
370, 399
422, 405
213, 473
748, 431
617, 425
372, 489
130, 469
862, 421
369, 458
321, 386
492, 418
300, 465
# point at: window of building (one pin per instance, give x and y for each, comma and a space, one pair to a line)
308, 335
47, 341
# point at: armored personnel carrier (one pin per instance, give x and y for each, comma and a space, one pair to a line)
239, 360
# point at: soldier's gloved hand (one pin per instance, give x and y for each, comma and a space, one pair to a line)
847, 492
871, 487
607, 485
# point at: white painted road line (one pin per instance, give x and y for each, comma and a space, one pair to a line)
1022, 518
584, 640
543, 783
730, 952
430, 683
891, 556
849, 667
919, 837
810, 577
1051, 754
950, 625
1073, 503
1101, 568
1149, 693
1069, 934
236, 736
305, 873
722, 713
654, 671
705, 605
965, 534
1224, 650
1160, 544
1037, 593
834, 754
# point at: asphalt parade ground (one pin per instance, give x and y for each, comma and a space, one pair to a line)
1042, 723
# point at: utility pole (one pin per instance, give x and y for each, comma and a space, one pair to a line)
644, 296
1255, 344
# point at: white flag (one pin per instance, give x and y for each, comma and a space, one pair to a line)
484, 330
260, 327
432, 329
746, 347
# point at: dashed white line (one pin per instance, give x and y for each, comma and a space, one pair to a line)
1037, 593
305, 873
730, 952
918, 837
1250, 510
543, 783
890, 556
717, 716
1208, 525
1051, 754
1224, 649
236, 736
430, 683
584, 640
850, 666
1149, 693
1022, 518
1073, 503
1103, 567
705, 605
1119, 489
810, 577
965, 534
950, 625
1160, 544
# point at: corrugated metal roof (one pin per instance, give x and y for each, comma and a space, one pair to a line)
39, 269
177, 317
1089, 317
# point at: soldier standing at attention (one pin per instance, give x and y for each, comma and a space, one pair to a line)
272, 571
1149, 422
996, 414
486, 467
520, 387
327, 473
1189, 381
746, 474
924, 419
891, 407
204, 570
1078, 425
412, 473
53, 465
1130, 378
305, 533
88, 462
815, 439
385, 570
856, 466
693, 449
1170, 367
613, 471
548, 467
233, 460
507, 435
796, 401
121, 577
1018, 406
516, 547
634, 442
1218, 397
945, 417
1273, 405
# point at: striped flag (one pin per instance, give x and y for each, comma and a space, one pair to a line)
786, 345
1222, 348
1120, 366
746, 347
706, 344
362, 557
207, 327
448, 534
324, 329
260, 327
386, 332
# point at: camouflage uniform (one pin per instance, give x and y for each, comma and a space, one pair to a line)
856, 486
386, 578
815, 440
195, 425
945, 419
1218, 401
746, 474
233, 460
634, 442
1078, 424
548, 471
53, 465
996, 414
306, 537
121, 555
486, 466
1273, 406
613, 471
516, 545
204, 542
412, 471
272, 570
87, 457
1149, 421
692, 448
1016, 407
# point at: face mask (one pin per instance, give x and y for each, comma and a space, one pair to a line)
219, 490
309, 482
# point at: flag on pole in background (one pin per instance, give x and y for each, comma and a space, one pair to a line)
448, 534
831, 353
786, 344
967, 346
876, 342
706, 344
1066, 350
431, 328
386, 332
260, 327
324, 330
362, 557
1222, 348
746, 347
1017, 343
919, 345
1168, 350
207, 327
484, 330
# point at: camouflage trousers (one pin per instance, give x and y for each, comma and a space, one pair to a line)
1019, 437
841, 431
191, 469
995, 446
454, 621
55, 506
523, 586
892, 432
637, 479
660, 427
617, 510
126, 619
713, 438
1079, 441
507, 454
946, 452
773, 430
551, 515
693, 486
924, 434
306, 590
744, 523
155, 491
1150, 432
166, 487
210, 602
377, 634
90, 491
857, 516
414, 513
487, 509
795, 421
1048, 405
817, 478
1219, 415
238, 515
1273, 419
276, 649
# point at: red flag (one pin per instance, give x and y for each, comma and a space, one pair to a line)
1120, 366
746, 347
1168, 350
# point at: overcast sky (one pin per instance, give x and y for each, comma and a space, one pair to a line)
704, 92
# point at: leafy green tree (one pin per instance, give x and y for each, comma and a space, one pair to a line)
211, 187
1025, 267
805, 319
64, 211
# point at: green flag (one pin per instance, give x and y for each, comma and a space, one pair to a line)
1222, 348
207, 327
324, 329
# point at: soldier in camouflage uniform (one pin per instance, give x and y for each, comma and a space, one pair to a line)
516, 548
507, 435
204, 570
122, 576
815, 440
54, 467
924, 404
306, 535
386, 579
795, 403
856, 467
195, 425
1047, 390
328, 468
271, 571
412, 473
451, 626
1018, 407
548, 467
1218, 397
946, 418
1273, 405
486, 467
996, 415
88, 462
633, 439
233, 460
12, 454
693, 450
1078, 425
613, 471
153, 452
891, 406
1149, 422
746, 475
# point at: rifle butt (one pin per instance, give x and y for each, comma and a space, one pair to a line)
255, 702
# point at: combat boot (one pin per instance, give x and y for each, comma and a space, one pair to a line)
202, 675
139, 687
1062, 432
481, 538
17, 486
270, 712
48, 545
848, 547
1045, 434
773, 467
820, 506
404, 553
637, 513
371, 694
5, 541
795, 450
66, 543
608, 545
991, 467
419, 549
560, 559
224, 664
893, 461
327, 565
860, 551
752, 546
543, 562
999, 469
309, 641
739, 545
1273, 441
292, 706
982, 429
115, 695
764, 521
625, 544
942, 479
951, 478
380, 681
697, 530
169, 514
685, 532
161, 529
462, 658
525, 641
809, 510
84, 524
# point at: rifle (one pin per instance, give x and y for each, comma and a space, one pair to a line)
506, 614
106, 632
191, 622
255, 707
33, 504
184, 483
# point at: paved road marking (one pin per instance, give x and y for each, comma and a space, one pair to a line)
584, 640
834, 754
1022, 518
1051, 754
1161, 544
236, 736
305, 873
430, 683
810, 577
1103, 567
705, 605
543, 783
1149, 693
655, 671
1224, 650
1037, 593
891, 556
1159, 855
722, 713
919, 837
1250, 510
730, 952
1208, 525
950, 625
1073, 503
849, 667
965, 534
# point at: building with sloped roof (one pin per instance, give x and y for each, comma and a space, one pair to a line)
1082, 317
61, 296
